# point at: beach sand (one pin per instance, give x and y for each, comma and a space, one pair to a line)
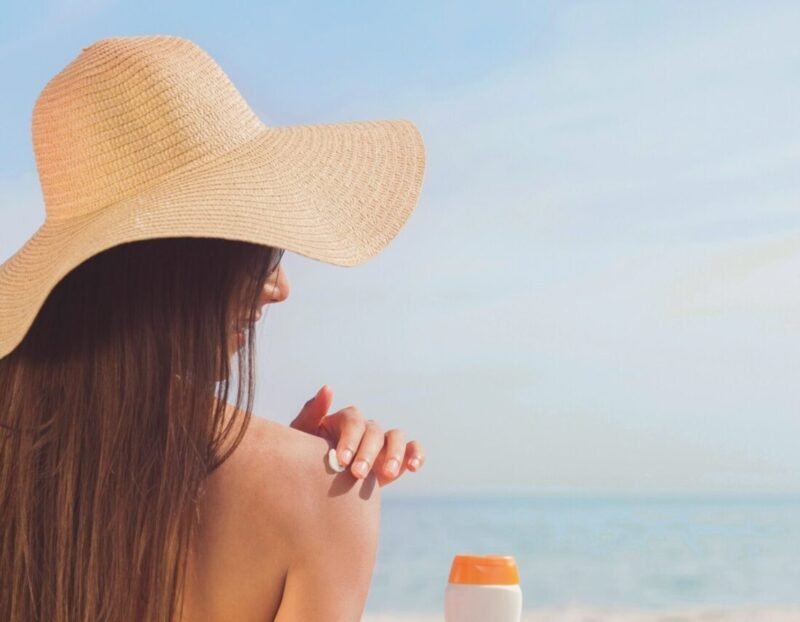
585, 614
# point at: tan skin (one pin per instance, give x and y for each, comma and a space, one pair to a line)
282, 536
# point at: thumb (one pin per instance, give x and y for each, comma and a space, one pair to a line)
312, 412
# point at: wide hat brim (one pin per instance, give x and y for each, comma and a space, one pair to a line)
335, 192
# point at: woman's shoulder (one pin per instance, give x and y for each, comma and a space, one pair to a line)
332, 527
249, 517
279, 483
266, 483
287, 472
272, 506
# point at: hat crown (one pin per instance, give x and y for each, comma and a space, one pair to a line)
125, 114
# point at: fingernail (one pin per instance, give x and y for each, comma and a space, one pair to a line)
414, 462
393, 466
347, 456
361, 467
333, 461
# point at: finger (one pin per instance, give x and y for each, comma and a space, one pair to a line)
351, 428
391, 457
313, 411
415, 455
371, 445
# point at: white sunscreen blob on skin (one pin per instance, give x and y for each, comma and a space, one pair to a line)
333, 461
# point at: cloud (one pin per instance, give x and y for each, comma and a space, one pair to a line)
756, 276
683, 130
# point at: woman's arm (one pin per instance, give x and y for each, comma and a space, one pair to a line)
334, 546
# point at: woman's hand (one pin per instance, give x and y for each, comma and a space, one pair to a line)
360, 443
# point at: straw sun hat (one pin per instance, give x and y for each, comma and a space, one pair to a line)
146, 137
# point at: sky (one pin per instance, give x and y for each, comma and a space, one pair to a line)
599, 290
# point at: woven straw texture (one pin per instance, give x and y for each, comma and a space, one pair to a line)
146, 137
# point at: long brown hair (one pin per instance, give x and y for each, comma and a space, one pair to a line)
113, 411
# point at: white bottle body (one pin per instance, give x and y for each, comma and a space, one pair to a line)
465, 602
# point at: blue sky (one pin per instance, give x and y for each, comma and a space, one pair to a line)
599, 289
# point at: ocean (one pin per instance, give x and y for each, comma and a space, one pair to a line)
654, 553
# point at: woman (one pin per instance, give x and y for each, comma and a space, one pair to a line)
130, 488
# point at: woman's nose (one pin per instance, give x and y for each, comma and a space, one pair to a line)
276, 289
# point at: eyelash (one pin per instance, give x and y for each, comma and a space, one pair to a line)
274, 268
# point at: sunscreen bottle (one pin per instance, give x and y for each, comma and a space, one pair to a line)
483, 588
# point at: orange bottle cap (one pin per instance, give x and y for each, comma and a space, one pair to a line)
484, 570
